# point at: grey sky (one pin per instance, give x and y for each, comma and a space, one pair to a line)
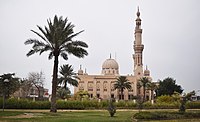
171, 36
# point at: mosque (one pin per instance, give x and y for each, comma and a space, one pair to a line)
102, 85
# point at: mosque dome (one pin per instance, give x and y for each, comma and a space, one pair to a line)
110, 64
110, 67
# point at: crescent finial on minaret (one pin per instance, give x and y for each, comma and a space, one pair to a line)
138, 12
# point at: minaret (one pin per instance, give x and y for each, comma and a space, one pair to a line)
138, 47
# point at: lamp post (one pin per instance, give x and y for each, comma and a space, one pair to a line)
4, 94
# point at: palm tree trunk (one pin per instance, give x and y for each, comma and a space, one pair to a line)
54, 85
121, 94
144, 94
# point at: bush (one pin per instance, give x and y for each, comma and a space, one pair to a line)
193, 105
61, 104
165, 99
121, 104
125, 104
150, 115
86, 104
164, 106
13, 103
111, 107
131, 104
160, 115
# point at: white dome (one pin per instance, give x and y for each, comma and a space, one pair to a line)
110, 64
110, 67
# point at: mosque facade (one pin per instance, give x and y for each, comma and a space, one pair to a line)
102, 85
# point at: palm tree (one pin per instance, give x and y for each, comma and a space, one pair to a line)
63, 93
57, 38
143, 83
68, 76
152, 86
121, 84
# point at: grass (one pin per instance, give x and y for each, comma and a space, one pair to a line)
79, 116
8, 113
68, 116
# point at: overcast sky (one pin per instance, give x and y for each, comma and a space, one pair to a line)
171, 36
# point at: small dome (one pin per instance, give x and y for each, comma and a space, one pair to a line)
110, 64
146, 72
80, 71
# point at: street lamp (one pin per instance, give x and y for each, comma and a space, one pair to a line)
4, 82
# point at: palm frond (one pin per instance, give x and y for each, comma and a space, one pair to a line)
57, 36
29, 41
80, 43
31, 52
46, 48
77, 51
122, 83
64, 55
50, 55
67, 75
74, 35
73, 82
42, 37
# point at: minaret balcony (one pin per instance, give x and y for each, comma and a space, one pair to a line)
138, 48
138, 30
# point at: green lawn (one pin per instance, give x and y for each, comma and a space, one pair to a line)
74, 116
68, 116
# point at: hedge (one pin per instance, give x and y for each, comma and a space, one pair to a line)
90, 104
165, 115
25, 104
193, 105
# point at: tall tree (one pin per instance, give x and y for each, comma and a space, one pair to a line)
68, 76
9, 84
167, 87
57, 38
121, 84
25, 86
143, 83
37, 79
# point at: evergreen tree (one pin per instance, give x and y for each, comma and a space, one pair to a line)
167, 87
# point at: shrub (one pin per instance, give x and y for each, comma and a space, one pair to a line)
111, 107
121, 104
13, 103
61, 104
165, 99
103, 104
165, 106
193, 105
158, 115
131, 104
